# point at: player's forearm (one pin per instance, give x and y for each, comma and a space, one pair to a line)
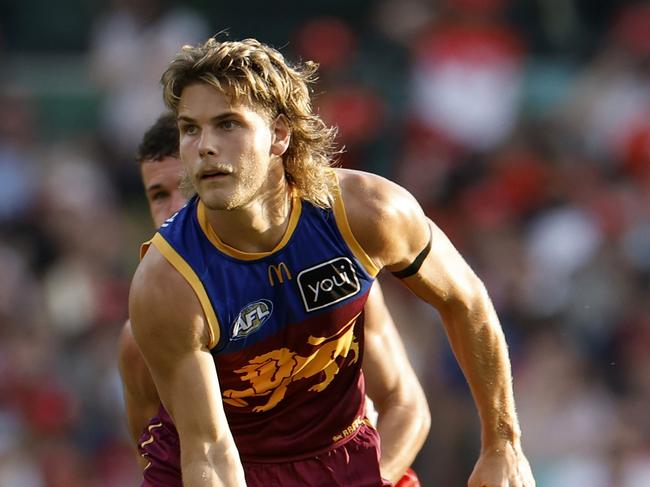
479, 345
403, 425
215, 466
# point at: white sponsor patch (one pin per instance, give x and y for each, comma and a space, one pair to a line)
328, 283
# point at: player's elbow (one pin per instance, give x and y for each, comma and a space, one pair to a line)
127, 347
409, 401
129, 355
424, 417
413, 407
421, 412
469, 298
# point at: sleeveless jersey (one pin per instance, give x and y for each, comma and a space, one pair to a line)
286, 327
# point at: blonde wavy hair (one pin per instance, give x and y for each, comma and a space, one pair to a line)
251, 72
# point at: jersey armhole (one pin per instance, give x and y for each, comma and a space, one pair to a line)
144, 247
190, 276
344, 227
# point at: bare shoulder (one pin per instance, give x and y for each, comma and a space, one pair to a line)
163, 308
385, 218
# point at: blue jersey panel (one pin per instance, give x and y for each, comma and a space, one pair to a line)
314, 272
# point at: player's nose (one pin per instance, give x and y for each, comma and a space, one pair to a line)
208, 145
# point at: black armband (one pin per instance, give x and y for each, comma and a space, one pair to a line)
414, 266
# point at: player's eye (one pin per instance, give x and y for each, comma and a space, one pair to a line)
188, 129
228, 124
159, 195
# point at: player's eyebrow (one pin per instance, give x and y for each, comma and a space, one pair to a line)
153, 187
216, 118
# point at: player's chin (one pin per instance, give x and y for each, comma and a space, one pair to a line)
218, 200
213, 196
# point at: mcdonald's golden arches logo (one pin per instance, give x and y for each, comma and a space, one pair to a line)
279, 271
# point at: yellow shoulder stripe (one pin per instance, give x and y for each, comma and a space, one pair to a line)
144, 247
344, 227
190, 276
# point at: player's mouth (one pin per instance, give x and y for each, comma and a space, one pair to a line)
213, 174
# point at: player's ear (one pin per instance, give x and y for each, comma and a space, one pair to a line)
281, 132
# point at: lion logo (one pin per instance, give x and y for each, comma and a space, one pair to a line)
271, 373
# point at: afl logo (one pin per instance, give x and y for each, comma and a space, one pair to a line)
251, 318
328, 283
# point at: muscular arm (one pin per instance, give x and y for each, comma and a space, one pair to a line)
391, 227
170, 329
478, 342
391, 383
140, 396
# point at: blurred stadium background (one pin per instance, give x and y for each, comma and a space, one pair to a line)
523, 127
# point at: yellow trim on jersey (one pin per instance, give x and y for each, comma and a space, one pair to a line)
344, 227
296, 209
144, 246
190, 276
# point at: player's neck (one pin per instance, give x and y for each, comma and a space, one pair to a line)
260, 225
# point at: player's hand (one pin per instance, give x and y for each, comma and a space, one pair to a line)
409, 479
505, 466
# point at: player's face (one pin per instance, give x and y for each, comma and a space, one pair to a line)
226, 148
161, 180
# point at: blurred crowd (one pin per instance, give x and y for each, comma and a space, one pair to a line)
523, 128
